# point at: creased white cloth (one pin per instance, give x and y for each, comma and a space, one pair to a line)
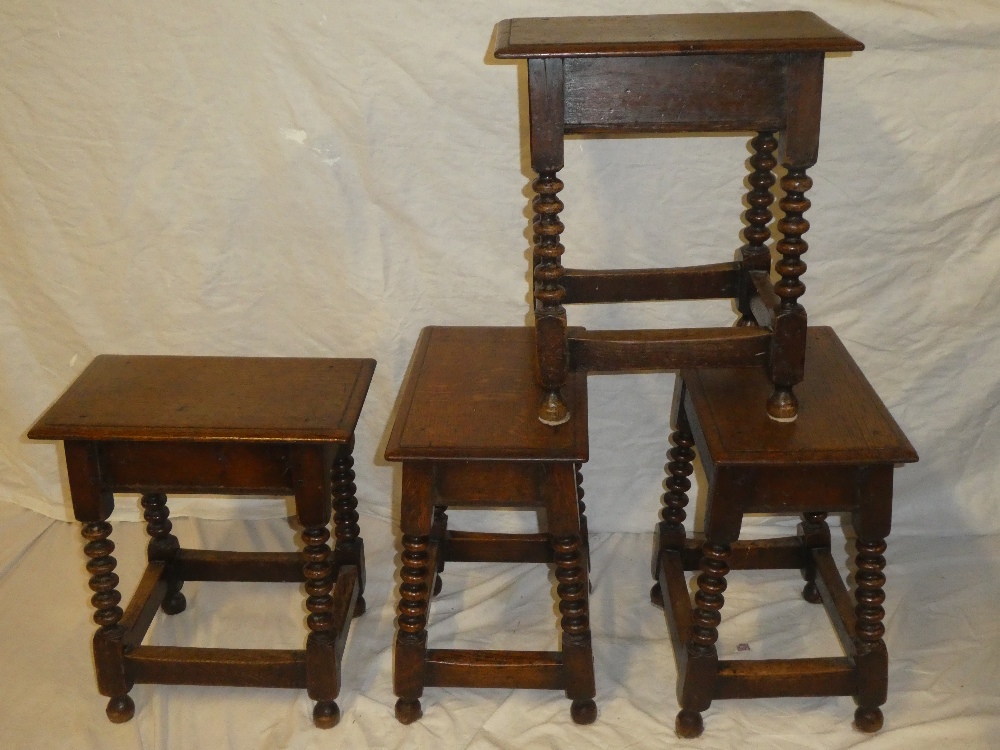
326, 178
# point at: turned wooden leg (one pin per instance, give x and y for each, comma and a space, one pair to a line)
439, 530
814, 533
755, 255
670, 533
872, 658
349, 548
702, 657
108, 650
550, 316
411, 637
584, 532
576, 642
163, 547
788, 341
320, 644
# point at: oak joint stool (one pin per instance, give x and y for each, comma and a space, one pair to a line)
467, 435
714, 72
837, 457
216, 425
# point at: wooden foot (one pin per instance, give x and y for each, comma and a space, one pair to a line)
552, 411
868, 719
583, 712
174, 603
408, 711
360, 606
121, 708
326, 714
656, 596
810, 593
782, 406
438, 585
688, 724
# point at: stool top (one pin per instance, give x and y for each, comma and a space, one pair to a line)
210, 398
470, 393
676, 34
841, 419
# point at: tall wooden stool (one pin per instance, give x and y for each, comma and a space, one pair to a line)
228, 425
467, 435
838, 456
718, 72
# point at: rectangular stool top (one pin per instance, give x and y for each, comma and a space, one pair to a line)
121, 397
675, 34
841, 419
471, 393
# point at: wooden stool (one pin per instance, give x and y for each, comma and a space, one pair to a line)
718, 72
227, 425
467, 435
838, 456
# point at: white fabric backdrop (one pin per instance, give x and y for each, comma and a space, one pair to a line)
326, 178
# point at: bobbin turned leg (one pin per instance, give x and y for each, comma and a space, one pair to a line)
163, 547
755, 255
872, 656
584, 531
788, 347
350, 547
319, 583
108, 648
814, 533
550, 315
702, 657
562, 509
670, 533
312, 472
414, 591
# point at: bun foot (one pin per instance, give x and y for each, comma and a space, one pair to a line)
656, 596
782, 405
174, 604
583, 712
360, 606
438, 585
811, 593
326, 714
120, 709
408, 712
689, 724
868, 719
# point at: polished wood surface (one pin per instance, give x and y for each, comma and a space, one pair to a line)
471, 394
841, 418
216, 425
674, 34
119, 397
467, 434
838, 456
724, 73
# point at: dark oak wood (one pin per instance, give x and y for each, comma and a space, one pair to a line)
670, 34
718, 281
470, 394
709, 72
282, 399
467, 435
216, 425
838, 455
652, 350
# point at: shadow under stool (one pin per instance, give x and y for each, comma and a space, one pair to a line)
839, 456
467, 435
703, 72
216, 425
